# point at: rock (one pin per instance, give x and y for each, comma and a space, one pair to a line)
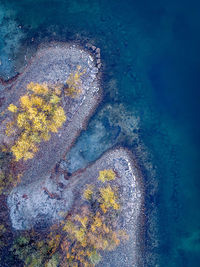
98, 61
99, 66
61, 179
93, 48
98, 50
63, 165
88, 45
38, 205
98, 56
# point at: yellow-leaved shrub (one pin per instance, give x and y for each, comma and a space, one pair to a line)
91, 229
81, 237
106, 175
39, 113
74, 83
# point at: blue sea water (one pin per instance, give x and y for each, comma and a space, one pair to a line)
151, 79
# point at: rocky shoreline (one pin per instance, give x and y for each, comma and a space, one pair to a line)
46, 190
52, 65
46, 199
131, 218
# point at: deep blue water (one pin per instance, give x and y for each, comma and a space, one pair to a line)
151, 81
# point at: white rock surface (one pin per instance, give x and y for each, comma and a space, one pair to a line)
38, 204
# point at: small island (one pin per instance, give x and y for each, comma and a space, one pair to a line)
92, 217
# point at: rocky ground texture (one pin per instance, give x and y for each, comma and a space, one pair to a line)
46, 188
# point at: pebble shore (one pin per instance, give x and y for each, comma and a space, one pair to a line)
43, 193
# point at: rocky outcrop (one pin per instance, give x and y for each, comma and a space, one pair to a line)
46, 190
41, 203
38, 199
53, 65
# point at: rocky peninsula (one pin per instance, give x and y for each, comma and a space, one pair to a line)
49, 195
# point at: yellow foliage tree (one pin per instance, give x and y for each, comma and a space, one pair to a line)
87, 194
91, 230
74, 83
39, 114
106, 175
108, 198
84, 233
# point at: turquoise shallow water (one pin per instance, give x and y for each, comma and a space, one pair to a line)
150, 53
